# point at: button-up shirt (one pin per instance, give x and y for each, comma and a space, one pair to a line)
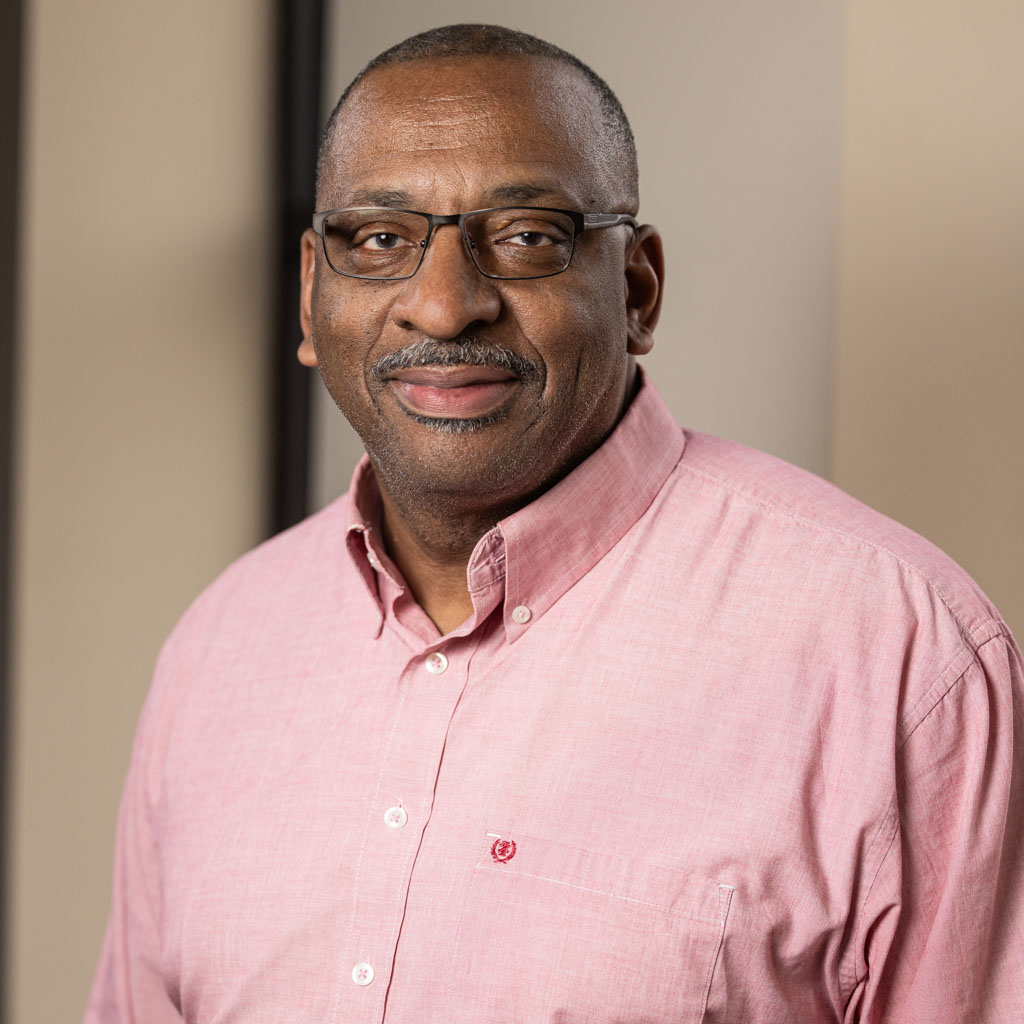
717, 743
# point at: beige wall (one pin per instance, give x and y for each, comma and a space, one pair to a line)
928, 418
141, 419
141, 422
735, 107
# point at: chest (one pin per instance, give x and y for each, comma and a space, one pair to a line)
587, 824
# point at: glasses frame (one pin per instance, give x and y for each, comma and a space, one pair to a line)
581, 222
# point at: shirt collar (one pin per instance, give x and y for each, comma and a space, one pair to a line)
543, 549
556, 540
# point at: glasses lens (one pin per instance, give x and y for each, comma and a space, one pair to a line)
521, 242
374, 243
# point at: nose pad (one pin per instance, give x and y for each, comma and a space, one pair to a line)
471, 247
467, 243
447, 293
442, 250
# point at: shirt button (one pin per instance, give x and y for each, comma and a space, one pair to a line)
436, 663
395, 817
521, 614
362, 974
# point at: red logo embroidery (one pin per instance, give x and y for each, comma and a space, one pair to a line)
503, 850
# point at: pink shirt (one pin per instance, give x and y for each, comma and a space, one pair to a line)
718, 744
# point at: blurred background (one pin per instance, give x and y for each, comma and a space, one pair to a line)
839, 187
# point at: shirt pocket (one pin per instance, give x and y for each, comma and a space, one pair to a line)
555, 933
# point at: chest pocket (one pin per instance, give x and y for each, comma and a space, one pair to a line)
552, 934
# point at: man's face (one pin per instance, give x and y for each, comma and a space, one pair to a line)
448, 137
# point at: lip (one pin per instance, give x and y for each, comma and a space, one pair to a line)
452, 392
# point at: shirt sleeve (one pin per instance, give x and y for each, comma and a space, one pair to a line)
943, 923
129, 987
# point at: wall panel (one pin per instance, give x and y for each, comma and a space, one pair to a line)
928, 419
141, 431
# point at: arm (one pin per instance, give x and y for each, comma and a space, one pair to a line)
129, 987
943, 923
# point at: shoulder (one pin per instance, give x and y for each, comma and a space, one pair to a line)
281, 589
300, 560
794, 571
849, 537
260, 623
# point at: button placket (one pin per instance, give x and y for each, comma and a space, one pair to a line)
408, 766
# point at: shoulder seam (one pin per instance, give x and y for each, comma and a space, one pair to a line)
952, 674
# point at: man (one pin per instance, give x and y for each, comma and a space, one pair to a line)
562, 714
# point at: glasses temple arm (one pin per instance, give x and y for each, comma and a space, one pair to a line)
607, 220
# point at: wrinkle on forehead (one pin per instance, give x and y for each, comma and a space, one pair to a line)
511, 111
414, 133
465, 116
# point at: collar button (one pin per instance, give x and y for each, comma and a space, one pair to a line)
436, 663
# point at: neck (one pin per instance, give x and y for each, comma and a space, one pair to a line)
432, 547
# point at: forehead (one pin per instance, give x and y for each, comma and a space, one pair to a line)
462, 126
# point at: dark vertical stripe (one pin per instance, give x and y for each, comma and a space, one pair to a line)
10, 119
299, 41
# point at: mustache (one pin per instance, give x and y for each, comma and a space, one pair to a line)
464, 350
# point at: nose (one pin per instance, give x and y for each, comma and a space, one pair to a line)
447, 294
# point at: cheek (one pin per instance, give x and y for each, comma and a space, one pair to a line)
580, 328
347, 326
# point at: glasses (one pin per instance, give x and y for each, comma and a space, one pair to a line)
510, 243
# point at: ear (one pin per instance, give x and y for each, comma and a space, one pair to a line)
306, 353
645, 275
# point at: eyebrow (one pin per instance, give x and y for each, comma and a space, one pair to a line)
507, 192
522, 192
384, 197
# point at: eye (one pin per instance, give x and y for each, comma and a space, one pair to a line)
384, 234
532, 239
382, 240
535, 233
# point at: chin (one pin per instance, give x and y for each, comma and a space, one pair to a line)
456, 426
